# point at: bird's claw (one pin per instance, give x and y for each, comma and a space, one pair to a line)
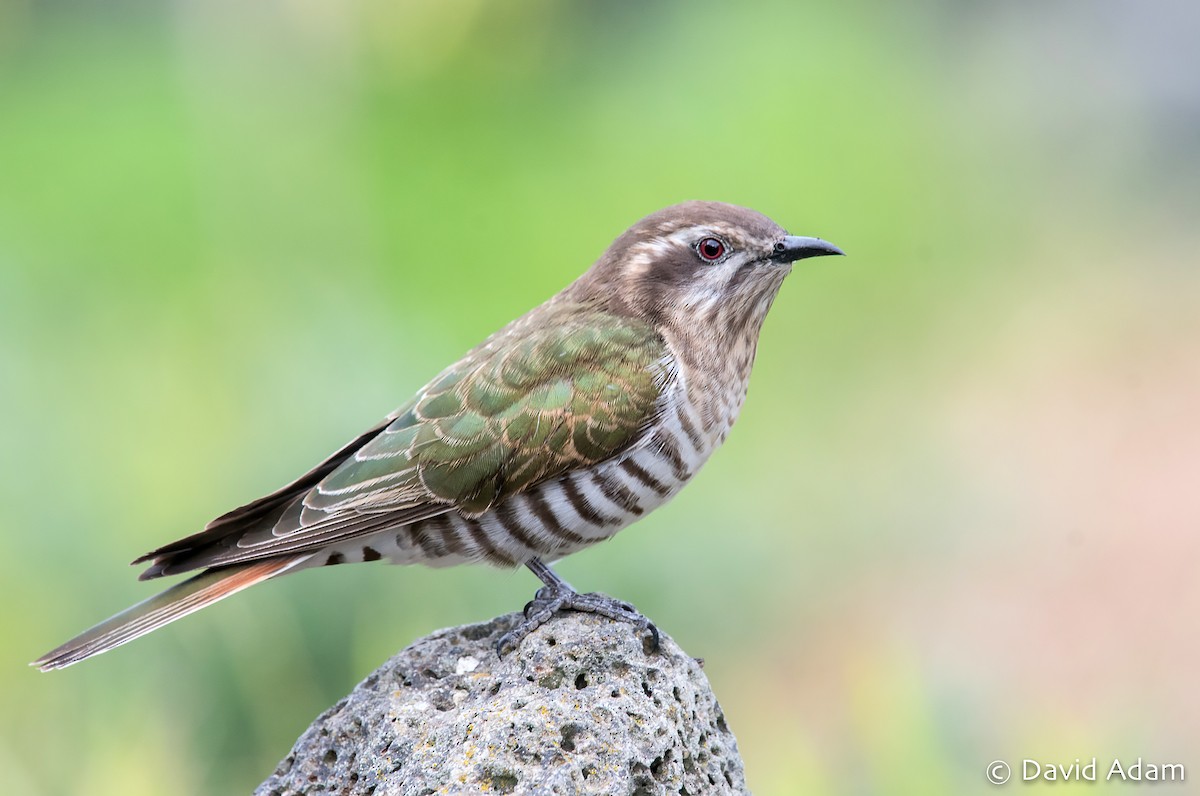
549, 600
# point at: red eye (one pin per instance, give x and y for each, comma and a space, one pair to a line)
711, 249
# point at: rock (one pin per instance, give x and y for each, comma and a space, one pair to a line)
581, 707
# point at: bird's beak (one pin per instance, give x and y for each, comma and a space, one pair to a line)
793, 248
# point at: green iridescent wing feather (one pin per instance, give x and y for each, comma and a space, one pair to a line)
564, 387
513, 413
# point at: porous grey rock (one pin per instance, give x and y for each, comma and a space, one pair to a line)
581, 707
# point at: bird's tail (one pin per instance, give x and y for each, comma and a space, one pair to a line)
178, 601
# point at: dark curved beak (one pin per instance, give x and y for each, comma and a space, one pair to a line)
793, 248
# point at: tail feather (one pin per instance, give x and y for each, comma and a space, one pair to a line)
176, 602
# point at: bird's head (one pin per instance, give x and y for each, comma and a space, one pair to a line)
705, 262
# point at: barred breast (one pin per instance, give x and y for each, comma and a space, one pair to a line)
575, 510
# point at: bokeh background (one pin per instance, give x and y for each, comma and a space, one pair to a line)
959, 520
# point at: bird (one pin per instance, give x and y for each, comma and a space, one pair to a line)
559, 430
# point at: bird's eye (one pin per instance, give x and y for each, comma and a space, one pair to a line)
711, 249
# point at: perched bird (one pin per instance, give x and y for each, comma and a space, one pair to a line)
556, 432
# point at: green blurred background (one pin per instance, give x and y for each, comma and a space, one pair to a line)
957, 522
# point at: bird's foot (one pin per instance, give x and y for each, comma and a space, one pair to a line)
551, 599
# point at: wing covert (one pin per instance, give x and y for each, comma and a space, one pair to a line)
514, 412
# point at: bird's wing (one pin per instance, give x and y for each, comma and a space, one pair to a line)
533, 401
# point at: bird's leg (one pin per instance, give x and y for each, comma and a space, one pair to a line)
557, 595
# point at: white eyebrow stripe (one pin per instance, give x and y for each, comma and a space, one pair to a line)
643, 255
